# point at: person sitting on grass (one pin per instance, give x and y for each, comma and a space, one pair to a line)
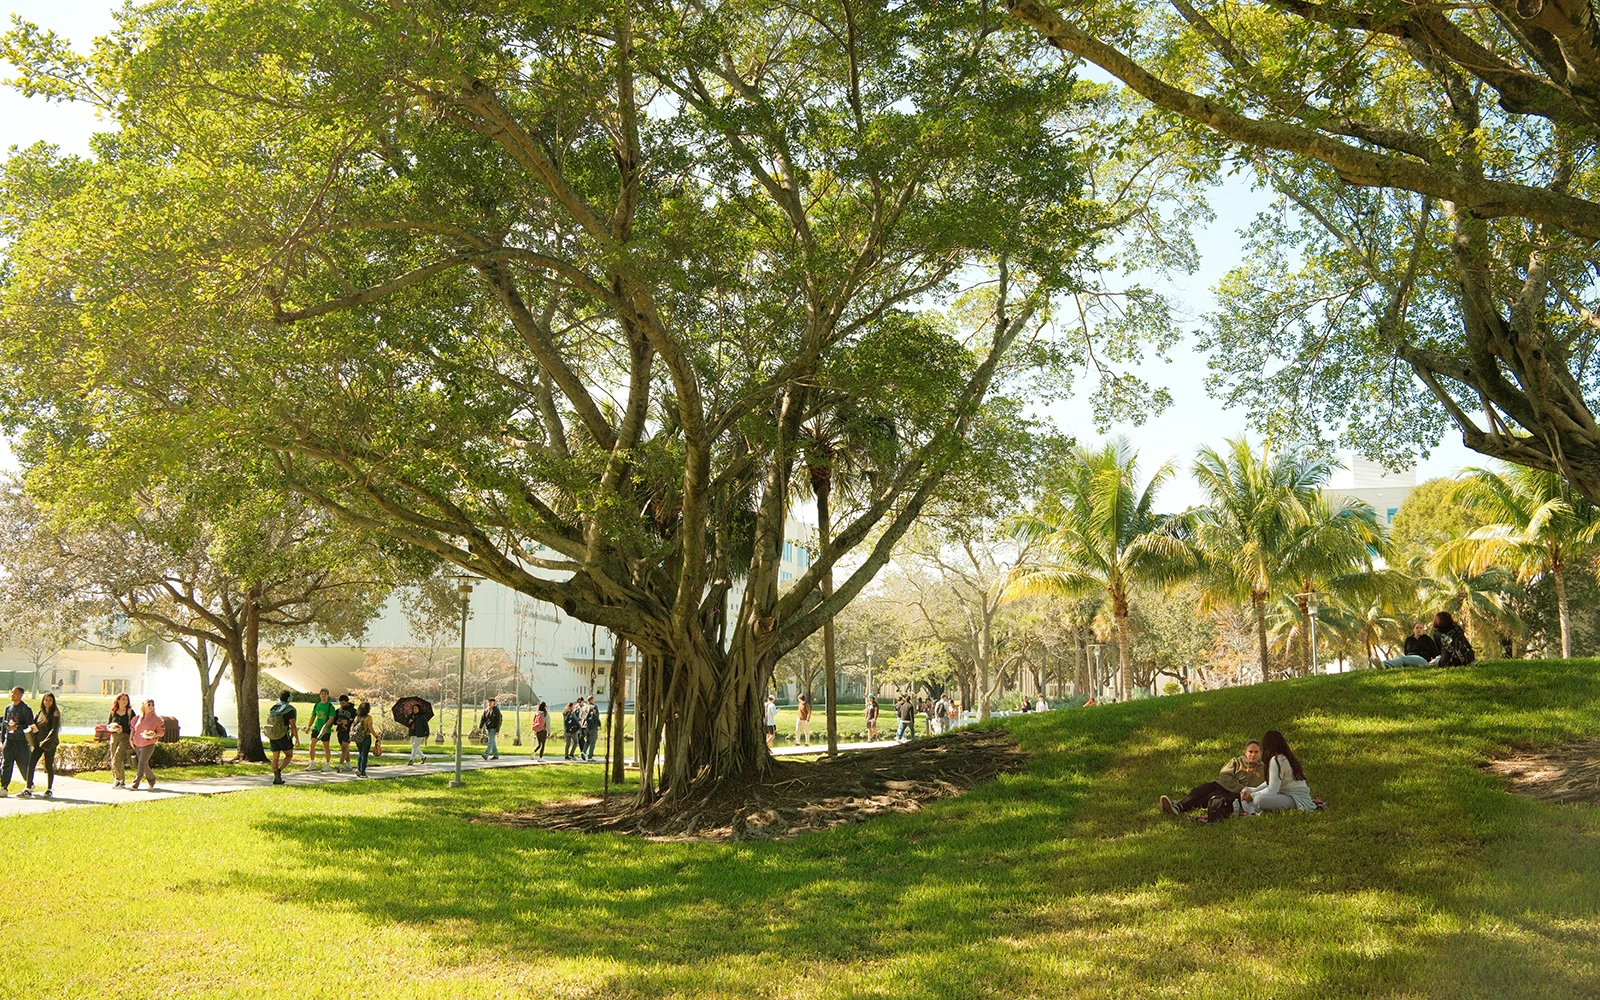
1420, 649
1454, 649
1285, 787
1237, 774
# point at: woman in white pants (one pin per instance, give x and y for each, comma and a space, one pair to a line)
1285, 787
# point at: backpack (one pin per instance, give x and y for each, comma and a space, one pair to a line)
1219, 808
1456, 650
277, 727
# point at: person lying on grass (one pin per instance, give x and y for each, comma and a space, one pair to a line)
1285, 787
1237, 774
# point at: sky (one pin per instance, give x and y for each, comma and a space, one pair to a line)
1194, 419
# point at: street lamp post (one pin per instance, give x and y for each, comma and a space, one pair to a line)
464, 588
1313, 605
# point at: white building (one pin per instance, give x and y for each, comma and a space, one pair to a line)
557, 657
1368, 481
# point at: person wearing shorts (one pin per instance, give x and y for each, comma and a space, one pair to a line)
770, 720
344, 720
321, 730
281, 718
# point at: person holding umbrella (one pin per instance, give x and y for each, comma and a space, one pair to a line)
414, 713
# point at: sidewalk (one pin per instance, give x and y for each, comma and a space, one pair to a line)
73, 793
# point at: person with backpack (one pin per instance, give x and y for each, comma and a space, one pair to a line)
367, 737
570, 730
45, 736
489, 722
1454, 649
344, 720
541, 728
16, 754
906, 711
1243, 771
1285, 787
591, 728
282, 737
941, 714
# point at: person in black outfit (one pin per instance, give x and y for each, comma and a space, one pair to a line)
489, 722
1420, 649
46, 737
17, 754
344, 720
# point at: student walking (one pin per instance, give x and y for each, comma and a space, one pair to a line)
941, 714
281, 735
591, 728
45, 735
541, 727
770, 719
872, 718
802, 722
16, 754
148, 729
489, 722
366, 737
570, 730
119, 725
321, 730
906, 712
344, 720
417, 727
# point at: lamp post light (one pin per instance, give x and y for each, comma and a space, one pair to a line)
1313, 605
464, 588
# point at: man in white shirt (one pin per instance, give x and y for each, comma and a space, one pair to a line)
771, 719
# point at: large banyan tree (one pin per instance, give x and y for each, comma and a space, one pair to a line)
554, 291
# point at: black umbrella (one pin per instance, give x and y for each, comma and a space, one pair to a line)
406, 709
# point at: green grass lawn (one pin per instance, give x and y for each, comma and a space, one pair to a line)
1425, 879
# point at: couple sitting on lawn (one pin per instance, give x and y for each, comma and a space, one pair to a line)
1268, 778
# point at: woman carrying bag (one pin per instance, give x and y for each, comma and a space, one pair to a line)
45, 735
148, 729
367, 738
541, 727
119, 725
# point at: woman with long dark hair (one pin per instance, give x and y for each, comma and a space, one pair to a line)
1454, 649
120, 727
541, 727
1285, 787
366, 736
45, 736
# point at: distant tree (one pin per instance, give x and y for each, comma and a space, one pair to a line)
1535, 525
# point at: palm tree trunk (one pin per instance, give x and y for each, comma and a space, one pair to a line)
1561, 610
1124, 657
1260, 603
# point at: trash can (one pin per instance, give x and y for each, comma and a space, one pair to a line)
172, 729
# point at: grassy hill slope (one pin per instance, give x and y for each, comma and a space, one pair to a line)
1425, 879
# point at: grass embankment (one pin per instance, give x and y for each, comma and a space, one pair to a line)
1425, 879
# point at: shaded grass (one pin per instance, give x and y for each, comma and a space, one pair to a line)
1426, 879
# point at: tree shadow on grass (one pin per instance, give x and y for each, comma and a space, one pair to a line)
1058, 881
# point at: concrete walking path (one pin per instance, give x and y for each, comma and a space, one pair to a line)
73, 793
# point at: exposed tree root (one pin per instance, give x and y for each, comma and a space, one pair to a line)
1568, 773
802, 795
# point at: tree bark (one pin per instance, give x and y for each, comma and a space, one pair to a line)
245, 662
829, 657
209, 682
1560, 573
1259, 602
617, 717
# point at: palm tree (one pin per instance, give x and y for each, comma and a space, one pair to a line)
1480, 601
1537, 527
1098, 533
1268, 530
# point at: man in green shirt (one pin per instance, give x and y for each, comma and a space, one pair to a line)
321, 730
1237, 774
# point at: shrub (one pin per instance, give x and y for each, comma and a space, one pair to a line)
91, 756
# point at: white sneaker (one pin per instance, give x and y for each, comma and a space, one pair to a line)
311, 767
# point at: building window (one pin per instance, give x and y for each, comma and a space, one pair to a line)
1392, 512
109, 687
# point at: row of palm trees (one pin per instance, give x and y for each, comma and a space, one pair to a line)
1269, 539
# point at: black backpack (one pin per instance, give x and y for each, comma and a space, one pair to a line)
1455, 649
1219, 808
